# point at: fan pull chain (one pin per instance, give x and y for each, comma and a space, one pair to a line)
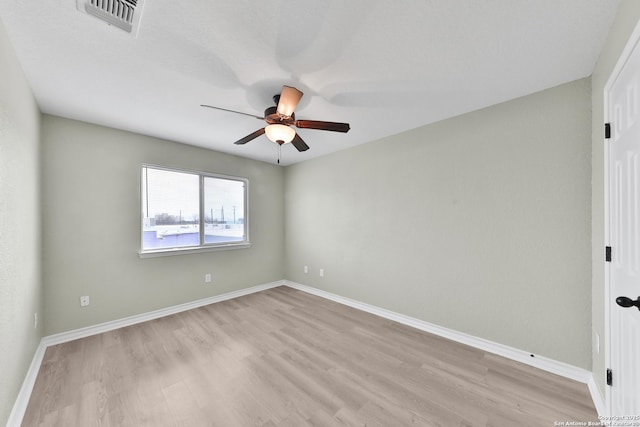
279, 152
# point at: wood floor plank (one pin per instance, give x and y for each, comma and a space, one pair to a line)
282, 357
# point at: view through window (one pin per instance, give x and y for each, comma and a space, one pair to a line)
182, 209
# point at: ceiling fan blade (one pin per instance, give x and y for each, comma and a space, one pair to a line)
315, 124
250, 137
289, 98
299, 143
231, 111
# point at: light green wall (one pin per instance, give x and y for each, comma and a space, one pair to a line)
91, 223
480, 223
626, 19
20, 278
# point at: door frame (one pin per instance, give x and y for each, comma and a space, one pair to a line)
632, 42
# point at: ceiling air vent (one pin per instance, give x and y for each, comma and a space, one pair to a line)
124, 14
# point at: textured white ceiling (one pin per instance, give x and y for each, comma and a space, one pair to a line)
383, 66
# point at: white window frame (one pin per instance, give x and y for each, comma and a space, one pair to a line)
202, 247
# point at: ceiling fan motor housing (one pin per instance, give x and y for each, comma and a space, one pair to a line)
272, 117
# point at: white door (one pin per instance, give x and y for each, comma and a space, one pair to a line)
624, 237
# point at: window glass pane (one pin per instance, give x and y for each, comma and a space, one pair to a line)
224, 210
170, 209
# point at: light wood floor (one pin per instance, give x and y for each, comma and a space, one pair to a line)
286, 358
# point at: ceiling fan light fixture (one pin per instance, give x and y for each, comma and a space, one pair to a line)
280, 134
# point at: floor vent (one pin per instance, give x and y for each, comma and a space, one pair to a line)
123, 14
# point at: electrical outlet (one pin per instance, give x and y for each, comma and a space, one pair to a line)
306, 269
84, 301
322, 272
207, 278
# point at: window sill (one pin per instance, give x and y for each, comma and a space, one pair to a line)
187, 251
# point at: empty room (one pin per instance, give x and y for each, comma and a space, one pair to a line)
319, 213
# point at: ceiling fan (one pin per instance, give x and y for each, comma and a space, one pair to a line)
281, 117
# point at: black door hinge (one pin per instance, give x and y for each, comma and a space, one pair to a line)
607, 254
607, 130
609, 377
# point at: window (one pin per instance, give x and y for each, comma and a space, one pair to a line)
183, 210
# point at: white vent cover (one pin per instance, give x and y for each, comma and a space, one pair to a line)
123, 14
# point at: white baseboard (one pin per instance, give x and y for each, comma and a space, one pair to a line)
156, 314
540, 362
546, 364
598, 400
20, 405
